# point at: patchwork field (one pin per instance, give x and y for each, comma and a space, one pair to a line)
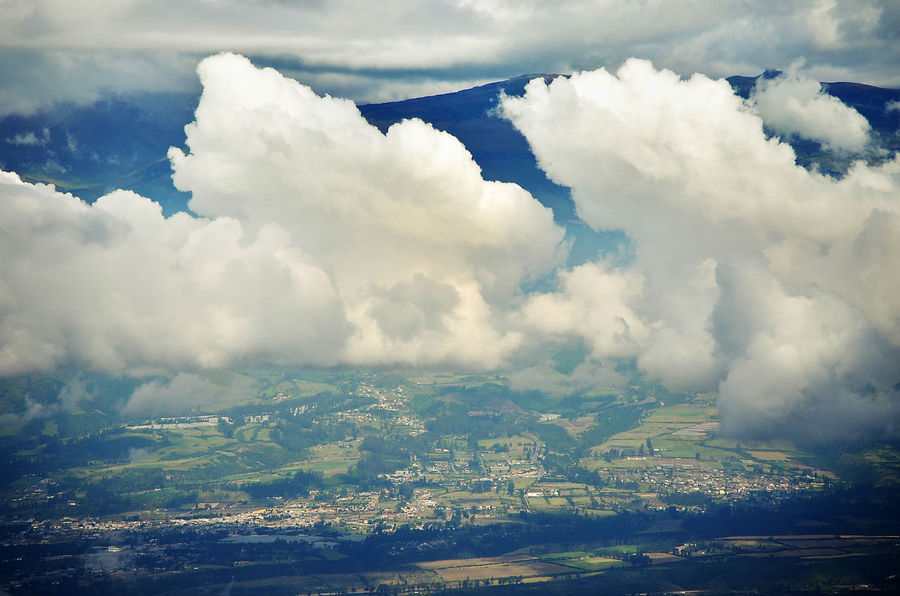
525, 566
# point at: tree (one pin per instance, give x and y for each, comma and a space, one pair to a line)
226, 427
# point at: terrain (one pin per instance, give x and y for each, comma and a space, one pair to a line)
323, 480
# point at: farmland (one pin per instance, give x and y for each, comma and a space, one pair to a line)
461, 467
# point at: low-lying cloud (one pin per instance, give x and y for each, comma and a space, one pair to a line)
751, 274
183, 394
794, 104
320, 240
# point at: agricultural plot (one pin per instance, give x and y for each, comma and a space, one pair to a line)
330, 458
576, 426
807, 547
768, 456
494, 568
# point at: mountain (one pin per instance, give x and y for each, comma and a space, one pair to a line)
121, 142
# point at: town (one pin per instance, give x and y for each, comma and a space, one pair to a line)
326, 465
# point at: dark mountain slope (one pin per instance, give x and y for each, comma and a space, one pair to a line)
91, 150
873, 103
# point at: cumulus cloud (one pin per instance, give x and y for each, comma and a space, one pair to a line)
74, 393
419, 246
593, 301
750, 273
321, 241
586, 377
318, 239
793, 104
808, 365
114, 285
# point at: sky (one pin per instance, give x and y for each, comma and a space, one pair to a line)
54, 50
314, 239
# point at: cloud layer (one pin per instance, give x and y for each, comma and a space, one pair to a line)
54, 49
317, 239
751, 274
322, 241
793, 104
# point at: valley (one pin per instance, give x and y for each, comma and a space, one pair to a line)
324, 467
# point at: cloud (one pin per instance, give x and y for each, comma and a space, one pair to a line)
74, 393
808, 365
137, 454
35, 79
584, 378
30, 139
418, 245
750, 273
321, 241
182, 394
792, 104
594, 301
33, 411
116, 285
53, 51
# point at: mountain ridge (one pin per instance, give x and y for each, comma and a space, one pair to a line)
122, 141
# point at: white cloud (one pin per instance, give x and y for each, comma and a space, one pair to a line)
595, 301
324, 241
391, 217
321, 240
184, 393
587, 377
30, 138
793, 104
33, 411
114, 285
711, 205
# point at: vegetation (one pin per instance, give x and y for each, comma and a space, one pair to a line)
379, 482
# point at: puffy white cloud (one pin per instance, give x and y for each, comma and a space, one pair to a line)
321, 241
755, 273
808, 365
116, 285
587, 377
594, 301
412, 236
793, 104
